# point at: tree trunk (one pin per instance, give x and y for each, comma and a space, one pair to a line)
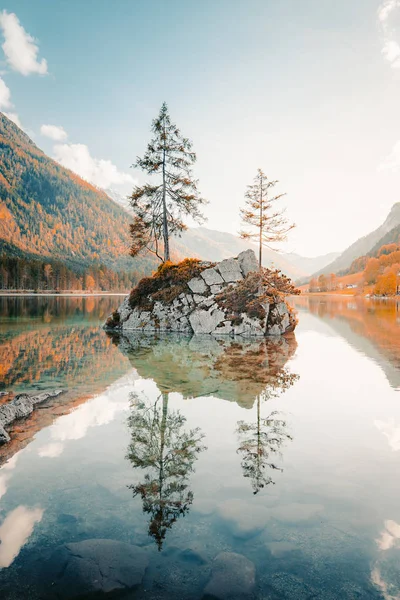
160, 516
261, 223
162, 440
258, 443
165, 221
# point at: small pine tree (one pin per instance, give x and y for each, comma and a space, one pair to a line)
267, 225
160, 207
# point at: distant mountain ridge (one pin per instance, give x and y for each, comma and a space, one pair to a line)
217, 245
363, 246
49, 212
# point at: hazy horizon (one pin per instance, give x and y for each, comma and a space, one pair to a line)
308, 93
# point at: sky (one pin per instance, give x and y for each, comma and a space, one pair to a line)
308, 91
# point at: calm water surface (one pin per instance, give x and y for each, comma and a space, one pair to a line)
286, 452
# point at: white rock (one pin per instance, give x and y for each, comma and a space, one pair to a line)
133, 322
197, 285
248, 262
212, 277
209, 301
215, 289
274, 330
285, 322
226, 328
198, 312
282, 308
124, 310
203, 321
230, 270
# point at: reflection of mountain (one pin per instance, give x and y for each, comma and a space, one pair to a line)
370, 326
15, 310
231, 369
45, 344
56, 356
81, 360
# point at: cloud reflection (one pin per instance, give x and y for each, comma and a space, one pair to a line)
15, 531
391, 431
101, 410
5, 473
389, 535
381, 575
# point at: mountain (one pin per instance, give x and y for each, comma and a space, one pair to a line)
391, 237
364, 245
48, 212
217, 245
310, 265
208, 244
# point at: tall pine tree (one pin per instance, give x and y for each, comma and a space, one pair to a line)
267, 224
160, 207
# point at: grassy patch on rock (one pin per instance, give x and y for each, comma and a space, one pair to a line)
166, 284
252, 295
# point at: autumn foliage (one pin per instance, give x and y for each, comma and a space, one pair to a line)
252, 294
166, 284
378, 274
48, 213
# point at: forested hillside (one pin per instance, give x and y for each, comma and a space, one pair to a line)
377, 273
48, 212
363, 246
50, 216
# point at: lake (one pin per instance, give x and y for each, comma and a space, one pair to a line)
177, 468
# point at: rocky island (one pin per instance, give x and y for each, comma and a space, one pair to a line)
194, 297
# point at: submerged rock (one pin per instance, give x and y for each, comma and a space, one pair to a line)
19, 408
202, 298
233, 576
94, 567
194, 554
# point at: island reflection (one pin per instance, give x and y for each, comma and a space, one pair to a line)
163, 452
232, 369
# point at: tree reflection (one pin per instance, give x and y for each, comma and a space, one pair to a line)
166, 452
260, 442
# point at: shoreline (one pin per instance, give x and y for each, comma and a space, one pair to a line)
319, 294
361, 296
62, 294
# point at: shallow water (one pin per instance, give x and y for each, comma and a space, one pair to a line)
285, 452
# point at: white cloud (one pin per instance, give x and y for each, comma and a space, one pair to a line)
5, 95
391, 51
100, 172
19, 47
15, 531
54, 132
389, 15
392, 161
386, 8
